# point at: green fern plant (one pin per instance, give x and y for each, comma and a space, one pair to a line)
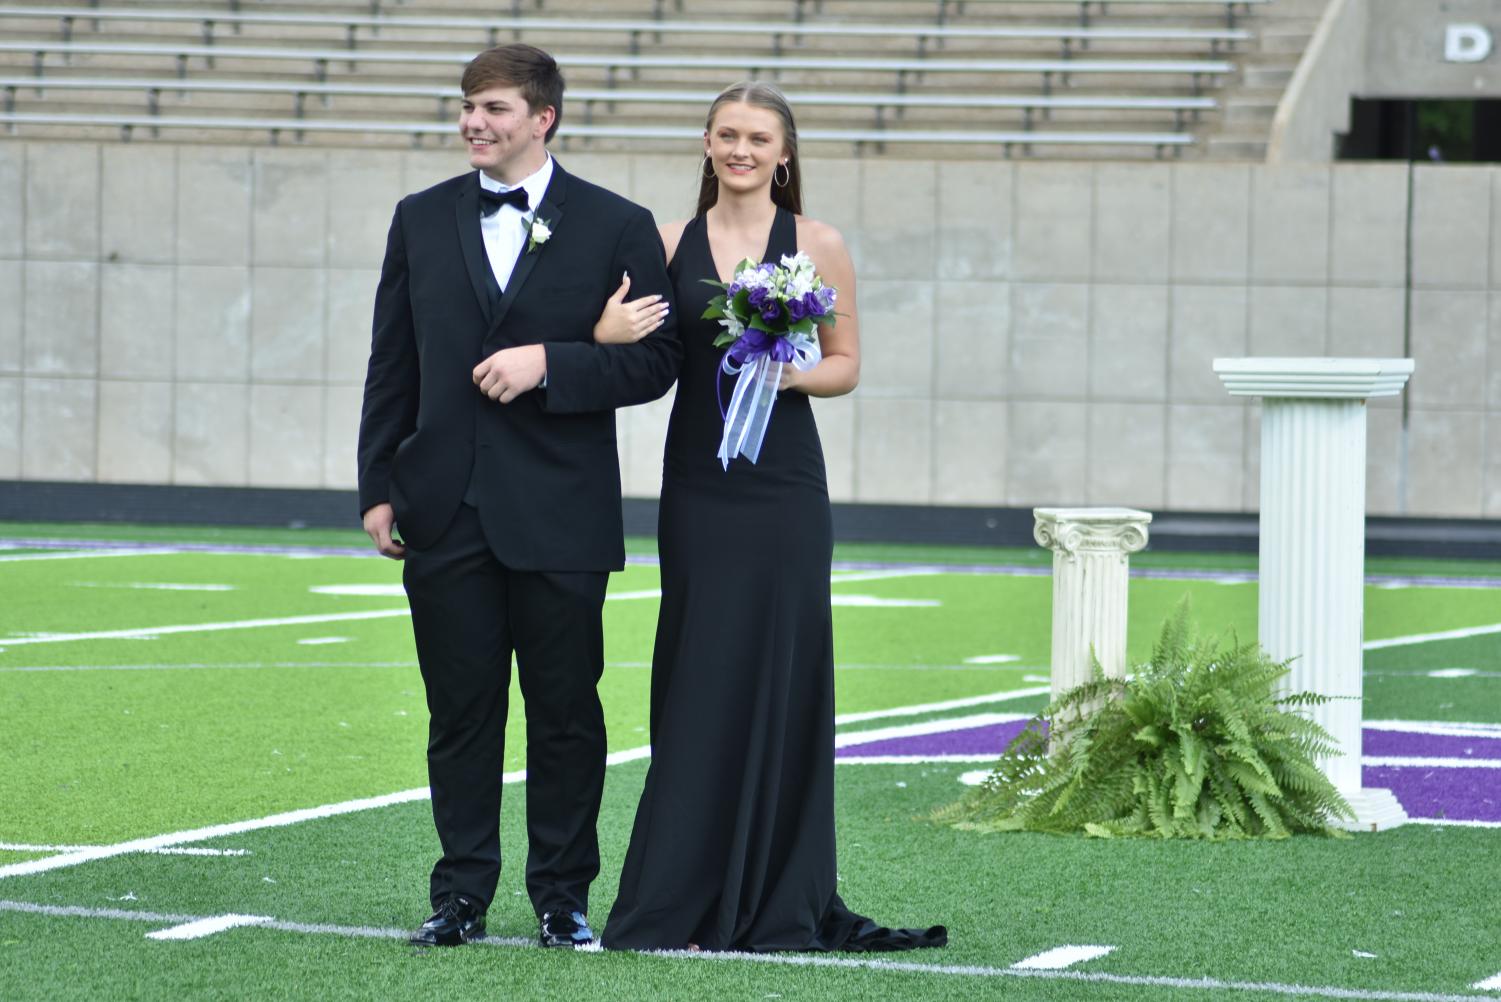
1198, 743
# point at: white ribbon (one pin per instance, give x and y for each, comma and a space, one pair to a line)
756, 383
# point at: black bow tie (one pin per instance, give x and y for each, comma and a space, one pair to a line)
491, 201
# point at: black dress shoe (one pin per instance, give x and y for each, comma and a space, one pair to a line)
566, 929
459, 919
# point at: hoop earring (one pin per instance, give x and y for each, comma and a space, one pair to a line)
786, 175
709, 174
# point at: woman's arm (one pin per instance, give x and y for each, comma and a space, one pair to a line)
628, 322
839, 370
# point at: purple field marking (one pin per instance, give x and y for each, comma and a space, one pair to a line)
1425, 791
1455, 794
1405, 744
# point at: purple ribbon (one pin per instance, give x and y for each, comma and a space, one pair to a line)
754, 343
747, 348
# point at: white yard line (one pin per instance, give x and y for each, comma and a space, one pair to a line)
1423, 638
10, 558
948, 704
845, 577
239, 624
208, 832
1406, 762
226, 665
1455, 729
158, 918
799, 960
911, 759
199, 928
88, 854
1061, 957
176, 851
1490, 984
284, 818
849, 738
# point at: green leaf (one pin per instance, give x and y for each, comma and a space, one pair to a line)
1197, 743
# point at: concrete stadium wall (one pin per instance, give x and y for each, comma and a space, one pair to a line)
1032, 333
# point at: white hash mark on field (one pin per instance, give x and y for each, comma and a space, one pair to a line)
800, 960
207, 926
1060, 957
992, 659
1490, 984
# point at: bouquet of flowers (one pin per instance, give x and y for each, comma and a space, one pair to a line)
769, 313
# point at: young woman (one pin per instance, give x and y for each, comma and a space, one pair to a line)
733, 845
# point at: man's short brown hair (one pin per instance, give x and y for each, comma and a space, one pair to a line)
525, 67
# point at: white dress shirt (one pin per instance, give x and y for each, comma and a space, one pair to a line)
505, 231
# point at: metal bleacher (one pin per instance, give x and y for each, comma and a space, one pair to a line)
993, 77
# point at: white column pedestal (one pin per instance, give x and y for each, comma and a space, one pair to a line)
1312, 554
1091, 554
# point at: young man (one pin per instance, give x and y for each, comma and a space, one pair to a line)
487, 442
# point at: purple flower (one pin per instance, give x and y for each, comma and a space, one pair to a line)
758, 296
826, 297
797, 309
751, 344
770, 311
734, 289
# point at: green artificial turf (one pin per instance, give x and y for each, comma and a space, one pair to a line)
1295, 911
130, 737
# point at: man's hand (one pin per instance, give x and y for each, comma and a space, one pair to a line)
379, 521
510, 372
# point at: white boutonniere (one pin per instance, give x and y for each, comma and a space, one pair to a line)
538, 232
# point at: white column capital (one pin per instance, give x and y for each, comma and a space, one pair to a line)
1071, 531
1091, 556
1314, 378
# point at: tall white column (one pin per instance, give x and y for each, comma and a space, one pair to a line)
1091, 555
1313, 458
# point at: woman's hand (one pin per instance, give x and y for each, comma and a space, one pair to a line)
626, 323
791, 376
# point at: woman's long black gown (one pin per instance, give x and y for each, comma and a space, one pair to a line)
733, 845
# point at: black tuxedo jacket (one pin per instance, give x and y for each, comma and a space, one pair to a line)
545, 473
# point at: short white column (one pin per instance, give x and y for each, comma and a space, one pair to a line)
1312, 559
1091, 555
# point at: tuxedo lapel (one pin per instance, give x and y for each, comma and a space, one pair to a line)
466, 217
551, 213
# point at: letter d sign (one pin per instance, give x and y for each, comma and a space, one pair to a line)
1466, 43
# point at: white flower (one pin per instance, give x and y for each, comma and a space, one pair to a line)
753, 277
538, 232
